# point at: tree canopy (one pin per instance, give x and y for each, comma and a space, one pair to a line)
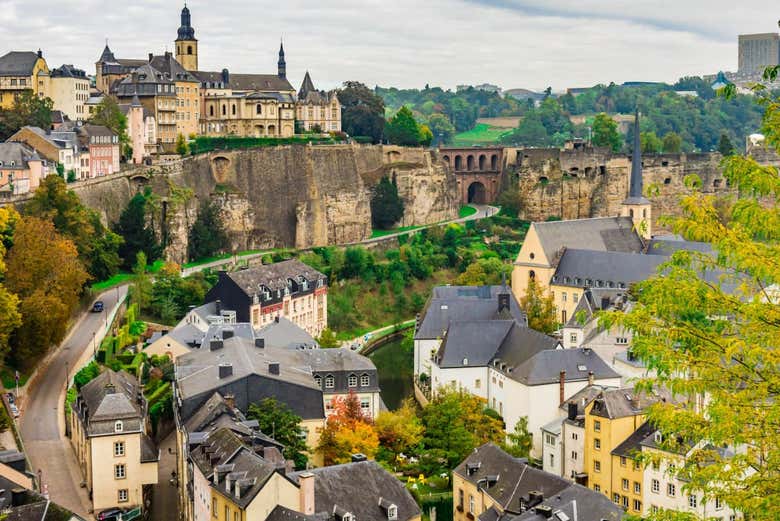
387, 207
362, 111
137, 233
27, 110
277, 420
402, 129
207, 236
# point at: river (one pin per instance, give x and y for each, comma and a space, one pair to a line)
396, 372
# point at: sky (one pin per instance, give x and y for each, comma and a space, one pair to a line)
407, 43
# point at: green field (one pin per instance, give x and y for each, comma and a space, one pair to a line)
480, 135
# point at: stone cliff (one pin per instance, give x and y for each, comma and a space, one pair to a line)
288, 196
593, 182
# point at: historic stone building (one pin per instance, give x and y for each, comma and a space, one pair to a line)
478, 171
22, 71
316, 109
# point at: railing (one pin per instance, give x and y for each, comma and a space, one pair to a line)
130, 514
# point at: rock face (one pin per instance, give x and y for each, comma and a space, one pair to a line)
593, 182
288, 196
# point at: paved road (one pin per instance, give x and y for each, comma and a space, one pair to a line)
42, 424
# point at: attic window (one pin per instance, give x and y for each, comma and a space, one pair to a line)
347, 517
118, 426
465, 361
582, 367
392, 513
444, 307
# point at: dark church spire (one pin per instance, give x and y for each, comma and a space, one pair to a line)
186, 31
635, 188
282, 64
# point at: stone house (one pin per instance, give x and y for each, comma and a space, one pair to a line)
108, 433
21, 168
317, 109
22, 71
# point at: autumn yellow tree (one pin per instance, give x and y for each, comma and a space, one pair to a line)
347, 431
401, 430
708, 328
10, 318
539, 308
44, 271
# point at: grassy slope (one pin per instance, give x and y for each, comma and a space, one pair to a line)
479, 135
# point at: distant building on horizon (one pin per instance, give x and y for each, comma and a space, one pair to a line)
757, 51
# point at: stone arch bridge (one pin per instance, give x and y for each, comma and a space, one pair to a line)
478, 172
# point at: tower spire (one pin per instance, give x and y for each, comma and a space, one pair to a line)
635, 188
281, 64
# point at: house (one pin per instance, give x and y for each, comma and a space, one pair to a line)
452, 304
19, 502
614, 422
56, 146
187, 87
288, 289
360, 490
108, 432
317, 109
490, 485
156, 92
21, 168
22, 71
141, 129
69, 91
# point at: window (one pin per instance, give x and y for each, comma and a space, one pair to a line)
596, 488
621, 341
692, 501
227, 513
574, 436
118, 426
597, 444
653, 509
671, 490
552, 460
573, 338
563, 296
122, 495
637, 488
718, 504
575, 297
364, 380
119, 448
365, 405
352, 380
259, 109
733, 517
318, 380
477, 383
622, 461
392, 513
624, 483
234, 110
625, 501
460, 499
616, 498
596, 425
549, 439
637, 505
574, 455
596, 466
655, 486
471, 503
330, 382
119, 471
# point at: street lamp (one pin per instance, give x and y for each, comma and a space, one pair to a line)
94, 347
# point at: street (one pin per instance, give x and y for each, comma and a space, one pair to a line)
42, 422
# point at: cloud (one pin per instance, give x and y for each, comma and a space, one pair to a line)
408, 43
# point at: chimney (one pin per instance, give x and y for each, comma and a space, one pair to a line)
260, 343
276, 319
534, 498
358, 457
591, 378
572, 411
227, 333
225, 370
151, 57
273, 368
218, 305
225, 77
561, 385
18, 495
306, 492
168, 54
503, 302
230, 400
216, 344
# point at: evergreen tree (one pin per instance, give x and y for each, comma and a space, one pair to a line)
387, 207
724, 145
181, 145
207, 236
672, 143
402, 129
137, 234
277, 420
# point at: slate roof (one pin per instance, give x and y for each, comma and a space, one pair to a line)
594, 300
31, 507
668, 245
145, 73
583, 397
285, 333
475, 341
599, 234
281, 513
112, 395
357, 488
545, 367
622, 402
168, 65
18, 63
257, 82
453, 304
515, 480
309, 94
16, 156
68, 71
632, 445
580, 268
273, 276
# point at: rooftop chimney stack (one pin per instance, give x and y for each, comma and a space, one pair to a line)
260, 343
591, 378
306, 491
572, 411
358, 457
561, 386
225, 370
273, 368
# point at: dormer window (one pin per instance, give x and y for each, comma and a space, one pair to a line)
392, 513
353, 380
318, 380
330, 382
364, 380
118, 426
348, 517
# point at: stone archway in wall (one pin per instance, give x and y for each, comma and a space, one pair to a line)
477, 193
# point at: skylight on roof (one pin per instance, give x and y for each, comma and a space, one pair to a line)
582, 367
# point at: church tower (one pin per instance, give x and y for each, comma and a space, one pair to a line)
282, 64
186, 44
636, 205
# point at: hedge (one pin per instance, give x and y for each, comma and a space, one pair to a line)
158, 393
202, 144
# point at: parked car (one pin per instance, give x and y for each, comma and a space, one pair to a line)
110, 514
14, 410
11, 398
98, 306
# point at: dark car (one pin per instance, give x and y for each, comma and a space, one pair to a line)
110, 514
98, 306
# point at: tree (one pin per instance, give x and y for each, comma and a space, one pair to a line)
108, 114
207, 236
605, 132
529, 132
27, 110
362, 111
539, 308
347, 431
399, 431
485, 271
455, 423
137, 234
442, 128
402, 129
520, 441
387, 207
10, 319
426, 135
141, 290
327, 339
724, 145
181, 145
672, 143
44, 271
277, 420
98, 247
651, 143
715, 340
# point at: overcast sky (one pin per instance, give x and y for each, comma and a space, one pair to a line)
408, 43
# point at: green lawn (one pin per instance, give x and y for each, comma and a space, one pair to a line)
466, 211
480, 135
116, 280
383, 233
